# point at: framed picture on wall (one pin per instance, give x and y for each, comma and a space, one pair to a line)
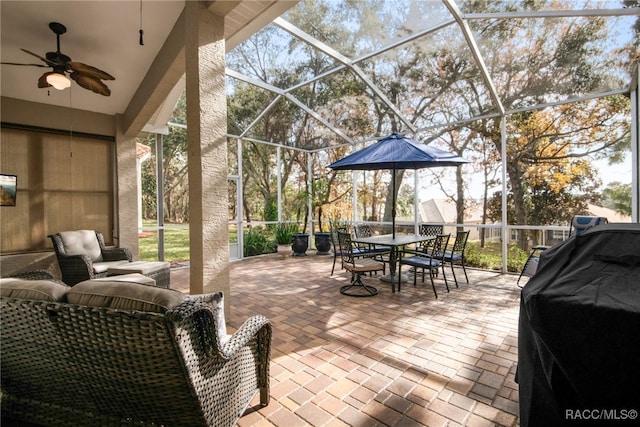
8, 189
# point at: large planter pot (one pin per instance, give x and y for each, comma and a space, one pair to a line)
284, 250
323, 243
300, 244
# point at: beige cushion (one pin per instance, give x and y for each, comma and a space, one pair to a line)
142, 267
81, 242
104, 266
129, 278
124, 296
39, 290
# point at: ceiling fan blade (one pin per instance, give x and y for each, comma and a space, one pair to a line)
91, 83
42, 81
79, 67
32, 65
51, 64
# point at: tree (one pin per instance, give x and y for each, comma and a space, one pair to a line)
617, 196
431, 80
174, 169
541, 62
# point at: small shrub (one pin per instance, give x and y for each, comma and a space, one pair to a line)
482, 257
256, 242
284, 232
516, 258
490, 257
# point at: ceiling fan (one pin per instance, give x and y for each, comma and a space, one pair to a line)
85, 75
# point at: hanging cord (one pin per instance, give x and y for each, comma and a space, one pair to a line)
141, 30
70, 126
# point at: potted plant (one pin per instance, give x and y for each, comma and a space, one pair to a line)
300, 244
323, 243
284, 234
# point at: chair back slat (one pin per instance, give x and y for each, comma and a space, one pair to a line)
460, 243
438, 248
335, 242
363, 230
346, 247
431, 229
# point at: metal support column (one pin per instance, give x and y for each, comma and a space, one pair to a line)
504, 231
160, 194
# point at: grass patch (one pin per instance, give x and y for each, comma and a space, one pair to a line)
176, 245
176, 242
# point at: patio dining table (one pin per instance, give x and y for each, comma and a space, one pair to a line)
394, 242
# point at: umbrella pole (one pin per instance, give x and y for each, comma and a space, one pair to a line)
393, 203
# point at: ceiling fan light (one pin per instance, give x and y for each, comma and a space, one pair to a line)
58, 81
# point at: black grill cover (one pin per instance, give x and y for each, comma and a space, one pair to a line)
579, 330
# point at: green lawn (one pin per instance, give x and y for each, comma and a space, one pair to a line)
176, 243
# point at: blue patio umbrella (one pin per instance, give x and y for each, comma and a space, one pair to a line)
397, 152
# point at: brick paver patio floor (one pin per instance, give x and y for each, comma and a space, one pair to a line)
403, 359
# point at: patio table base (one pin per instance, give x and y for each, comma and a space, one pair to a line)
394, 278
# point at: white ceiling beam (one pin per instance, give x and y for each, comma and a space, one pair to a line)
261, 115
368, 55
317, 44
630, 11
319, 118
468, 35
290, 97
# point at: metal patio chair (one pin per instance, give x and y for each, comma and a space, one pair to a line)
456, 255
430, 259
357, 265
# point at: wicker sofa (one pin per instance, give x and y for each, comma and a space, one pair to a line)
111, 353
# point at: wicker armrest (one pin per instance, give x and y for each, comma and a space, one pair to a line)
34, 275
254, 332
255, 326
75, 268
116, 254
240, 338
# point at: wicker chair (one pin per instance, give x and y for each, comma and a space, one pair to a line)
88, 363
82, 255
